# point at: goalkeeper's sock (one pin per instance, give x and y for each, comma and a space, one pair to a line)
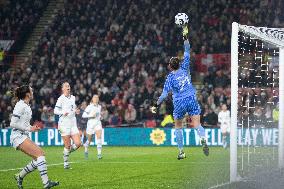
179, 137
201, 131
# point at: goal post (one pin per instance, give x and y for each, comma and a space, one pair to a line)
234, 102
273, 36
281, 109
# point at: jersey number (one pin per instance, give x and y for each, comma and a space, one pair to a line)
183, 82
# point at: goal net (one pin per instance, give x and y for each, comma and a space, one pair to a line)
257, 125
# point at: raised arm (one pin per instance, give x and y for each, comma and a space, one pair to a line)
167, 88
186, 55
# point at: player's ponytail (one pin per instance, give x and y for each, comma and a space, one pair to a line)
21, 92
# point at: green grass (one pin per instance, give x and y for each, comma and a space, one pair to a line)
123, 167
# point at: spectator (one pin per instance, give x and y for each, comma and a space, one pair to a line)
276, 114
1, 55
104, 115
47, 117
82, 122
44, 115
151, 123
210, 118
115, 119
130, 114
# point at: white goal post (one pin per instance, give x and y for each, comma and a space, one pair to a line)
273, 36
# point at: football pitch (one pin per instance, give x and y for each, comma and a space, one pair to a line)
122, 167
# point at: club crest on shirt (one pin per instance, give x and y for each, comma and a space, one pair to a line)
158, 136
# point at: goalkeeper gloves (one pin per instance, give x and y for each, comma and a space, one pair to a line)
154, 108
185, 32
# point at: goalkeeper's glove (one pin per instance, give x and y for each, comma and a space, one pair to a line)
154, 108
185, 32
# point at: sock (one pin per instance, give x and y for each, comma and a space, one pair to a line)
73, 148
29, 168
201, 131
66, 153
86, 147
99, 146
179, 137
87, 143
42, 168
224, 141
82, 138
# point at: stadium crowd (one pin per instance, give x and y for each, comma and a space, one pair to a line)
119, 49
18, 18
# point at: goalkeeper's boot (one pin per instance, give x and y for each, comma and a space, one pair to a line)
181, 155
100, 156
19, 181
51, 184
205, 147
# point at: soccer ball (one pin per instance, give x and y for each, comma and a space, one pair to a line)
181, 19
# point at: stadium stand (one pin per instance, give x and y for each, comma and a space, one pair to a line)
18, 18
119, 49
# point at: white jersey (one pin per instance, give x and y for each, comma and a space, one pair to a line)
93, 113
67, 125
65, 105
21, 117
20, 122
224, 119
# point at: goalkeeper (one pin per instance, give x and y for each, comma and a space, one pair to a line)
184, 99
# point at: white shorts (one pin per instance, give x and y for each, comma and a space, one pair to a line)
225, 129
67, 128
17, 138
93, 127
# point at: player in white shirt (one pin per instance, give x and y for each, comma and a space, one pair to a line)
224, 123
94, 125
20, 122
67, 125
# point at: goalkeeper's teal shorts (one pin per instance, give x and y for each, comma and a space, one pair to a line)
187, 105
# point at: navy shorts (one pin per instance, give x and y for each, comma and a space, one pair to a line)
187, 105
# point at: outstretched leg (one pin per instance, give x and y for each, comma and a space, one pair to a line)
39, 162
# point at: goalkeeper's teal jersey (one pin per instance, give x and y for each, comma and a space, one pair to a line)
179, 82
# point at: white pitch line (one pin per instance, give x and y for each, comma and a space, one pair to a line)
160, 162
50, 165
219, 185
122, 162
